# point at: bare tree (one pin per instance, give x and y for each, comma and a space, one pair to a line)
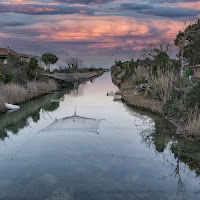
74, 63
153, 50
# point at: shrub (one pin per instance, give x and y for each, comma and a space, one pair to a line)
193, 97
161, 84
141, 74
193, 124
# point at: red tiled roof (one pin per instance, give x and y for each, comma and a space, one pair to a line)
6, 51
24, 55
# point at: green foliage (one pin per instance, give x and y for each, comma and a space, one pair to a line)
161, 60
191, 48
193, 97
32, 69
170, 107
19, 71
118, 63
14, 71
147, 62
49, 58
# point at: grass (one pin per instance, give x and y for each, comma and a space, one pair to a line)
193, 125
16, 94
161, 84
140, 101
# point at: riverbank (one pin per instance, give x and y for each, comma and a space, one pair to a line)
137, 96
16, 94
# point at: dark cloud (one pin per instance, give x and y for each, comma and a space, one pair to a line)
12, 24
170, 1
149, 9
32, 9
171, 12
135, 6
85, 1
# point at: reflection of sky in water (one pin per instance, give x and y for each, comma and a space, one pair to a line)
130, 157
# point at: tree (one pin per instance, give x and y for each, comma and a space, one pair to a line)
157, 55
192, 50
154, 50
118, 63
161, 60
181, 41
48, 59
32, 68
74, 63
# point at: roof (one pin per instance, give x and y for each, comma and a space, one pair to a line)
6, 51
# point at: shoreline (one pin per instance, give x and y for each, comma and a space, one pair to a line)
179, 128
139, 101
18, 94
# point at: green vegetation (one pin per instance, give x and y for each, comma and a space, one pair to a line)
161, 79
48, 59
189, 40
20, 81
19, 71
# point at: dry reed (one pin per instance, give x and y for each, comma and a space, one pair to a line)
140, 101
141, 74
193, 124
161, 84
16, 94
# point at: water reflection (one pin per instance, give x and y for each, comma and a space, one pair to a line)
136, 155
32, 110
164, 137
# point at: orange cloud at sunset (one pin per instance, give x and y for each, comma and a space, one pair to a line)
95, 27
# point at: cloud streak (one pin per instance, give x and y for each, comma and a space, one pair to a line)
171, 1
148, 9
31, 9
91, 2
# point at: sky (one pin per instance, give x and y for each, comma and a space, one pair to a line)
98, 31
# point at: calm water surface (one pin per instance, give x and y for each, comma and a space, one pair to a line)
45, 154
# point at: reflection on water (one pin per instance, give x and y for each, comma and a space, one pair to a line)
14, 121
51, 149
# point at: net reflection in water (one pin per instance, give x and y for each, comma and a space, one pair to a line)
75, 123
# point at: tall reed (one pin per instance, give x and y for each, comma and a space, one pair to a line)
161, 83
16, 94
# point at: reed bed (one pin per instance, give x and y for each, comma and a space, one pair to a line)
15, 94
140, 101
193, 125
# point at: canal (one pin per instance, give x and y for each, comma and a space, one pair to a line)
79, 144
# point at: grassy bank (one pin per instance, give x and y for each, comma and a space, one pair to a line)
15, 94
162, 92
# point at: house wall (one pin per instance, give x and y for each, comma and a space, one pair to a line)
5, 62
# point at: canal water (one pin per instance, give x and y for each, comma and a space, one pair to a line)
79, 144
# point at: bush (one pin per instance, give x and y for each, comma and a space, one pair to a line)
161, 84
193, 124
193, 97
141, 74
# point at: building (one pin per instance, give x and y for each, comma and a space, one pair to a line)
196, 71
4, 52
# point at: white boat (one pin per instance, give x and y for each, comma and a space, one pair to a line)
11, 106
